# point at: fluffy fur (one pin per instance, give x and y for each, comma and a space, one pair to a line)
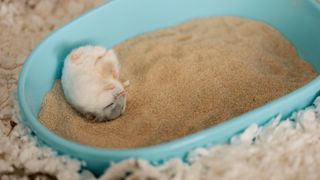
90, 81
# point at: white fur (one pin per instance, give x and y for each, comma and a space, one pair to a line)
85, 77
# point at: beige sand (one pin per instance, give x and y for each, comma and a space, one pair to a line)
185, 79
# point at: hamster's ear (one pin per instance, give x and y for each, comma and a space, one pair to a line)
76, 54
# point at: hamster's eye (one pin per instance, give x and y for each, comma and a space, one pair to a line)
90, 116
109, 105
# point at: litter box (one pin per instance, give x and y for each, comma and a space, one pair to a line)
118, 20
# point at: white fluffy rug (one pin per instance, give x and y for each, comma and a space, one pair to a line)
286, 149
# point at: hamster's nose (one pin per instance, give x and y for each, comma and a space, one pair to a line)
118, 108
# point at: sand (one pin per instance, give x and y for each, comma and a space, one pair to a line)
187, 78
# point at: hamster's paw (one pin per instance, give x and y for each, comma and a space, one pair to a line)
75, 55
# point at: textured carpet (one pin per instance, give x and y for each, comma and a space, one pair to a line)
23, 24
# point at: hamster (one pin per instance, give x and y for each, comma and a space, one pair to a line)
91, 85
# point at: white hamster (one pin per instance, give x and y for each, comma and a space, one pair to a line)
90, 82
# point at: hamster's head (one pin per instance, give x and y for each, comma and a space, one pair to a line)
110, 104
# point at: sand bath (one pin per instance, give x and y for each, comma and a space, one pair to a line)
187, 78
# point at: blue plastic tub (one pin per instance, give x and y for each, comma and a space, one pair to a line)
111, 23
